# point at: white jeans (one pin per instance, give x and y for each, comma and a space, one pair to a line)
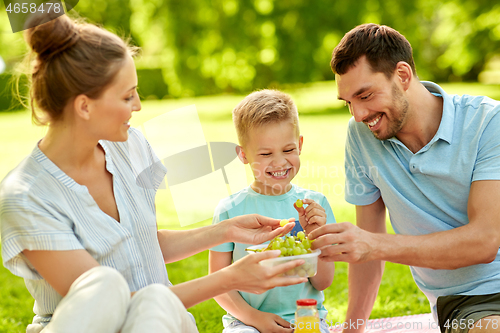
99, 302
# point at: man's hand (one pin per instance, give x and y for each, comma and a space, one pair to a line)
343, 242
270, 322
253, 229
311, 217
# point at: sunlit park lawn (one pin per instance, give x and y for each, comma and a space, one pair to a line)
323, 123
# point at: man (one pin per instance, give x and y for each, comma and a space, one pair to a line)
433, 160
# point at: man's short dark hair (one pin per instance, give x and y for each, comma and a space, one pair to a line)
383, 47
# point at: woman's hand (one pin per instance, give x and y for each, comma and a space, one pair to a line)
253, 229
311, 217
248, 275
247, 229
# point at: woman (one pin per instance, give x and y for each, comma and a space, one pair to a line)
75, 223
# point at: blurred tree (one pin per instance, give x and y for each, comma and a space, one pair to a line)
468, 34
213, 46
12, 46
113, 14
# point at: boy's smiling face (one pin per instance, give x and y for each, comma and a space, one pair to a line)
272, 150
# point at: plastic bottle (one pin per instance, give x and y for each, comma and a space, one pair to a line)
306, 317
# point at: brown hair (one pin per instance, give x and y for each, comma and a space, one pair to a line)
383, 47
263, 107
71, 59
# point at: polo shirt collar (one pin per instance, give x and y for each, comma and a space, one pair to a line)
445, 130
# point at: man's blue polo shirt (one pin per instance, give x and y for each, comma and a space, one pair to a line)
428, 191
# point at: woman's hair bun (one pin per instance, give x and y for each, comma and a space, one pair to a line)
73, 58
53, 37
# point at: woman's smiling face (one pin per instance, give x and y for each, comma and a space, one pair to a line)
112, 111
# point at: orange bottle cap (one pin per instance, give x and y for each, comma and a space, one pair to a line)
306, 302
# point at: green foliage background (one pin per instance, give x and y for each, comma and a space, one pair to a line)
212, 46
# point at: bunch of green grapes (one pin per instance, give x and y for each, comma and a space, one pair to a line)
291, 245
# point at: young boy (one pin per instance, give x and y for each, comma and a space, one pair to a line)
267, 125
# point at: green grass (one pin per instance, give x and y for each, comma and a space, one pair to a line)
16, 303
323, 123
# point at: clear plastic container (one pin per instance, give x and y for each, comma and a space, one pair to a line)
308, 269
306, 317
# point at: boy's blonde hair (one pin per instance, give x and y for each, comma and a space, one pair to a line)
263, 107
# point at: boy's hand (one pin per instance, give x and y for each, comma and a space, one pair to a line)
253, 229
270, 322
311, 217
